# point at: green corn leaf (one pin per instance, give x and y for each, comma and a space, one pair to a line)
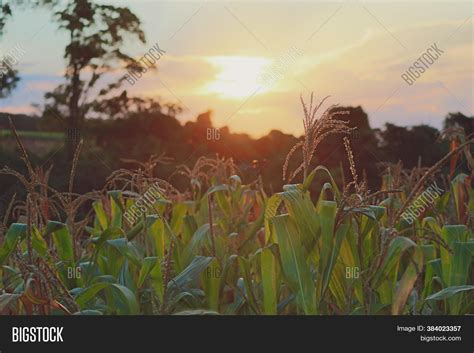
15, 233
450, 234
223, 202
295, 268
126, 248
198, 240
405, 286
100, 216
461, 261
190, 274
449, 292
271, 208
396, 248
125, 277
244, 265
177, 219
136, 229
189, 228
216, 188
62, 240
229, 272
211, 284
123, 294
38, 243
116, 208
109, 233
460, 267
250, 233
310, 177
156, 231
156, 275
341, 233
269, 281
147, 266
327, 215
302, 211
432, 224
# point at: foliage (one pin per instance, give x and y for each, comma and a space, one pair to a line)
229, 248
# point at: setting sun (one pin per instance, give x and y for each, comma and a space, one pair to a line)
238, 76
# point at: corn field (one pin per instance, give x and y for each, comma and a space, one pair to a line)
224, 247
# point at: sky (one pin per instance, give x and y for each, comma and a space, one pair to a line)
249, 61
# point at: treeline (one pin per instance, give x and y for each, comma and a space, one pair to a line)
110, 144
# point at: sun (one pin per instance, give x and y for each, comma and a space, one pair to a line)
237, 76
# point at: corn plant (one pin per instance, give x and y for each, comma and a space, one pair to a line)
225, 247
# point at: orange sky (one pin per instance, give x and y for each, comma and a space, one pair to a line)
249, 61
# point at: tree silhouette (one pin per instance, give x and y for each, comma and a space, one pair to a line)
467, 123
96, 34
8, 76
418, 144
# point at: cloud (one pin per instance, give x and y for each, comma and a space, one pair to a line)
19, 109
351, 57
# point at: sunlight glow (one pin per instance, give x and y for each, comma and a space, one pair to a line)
238, 76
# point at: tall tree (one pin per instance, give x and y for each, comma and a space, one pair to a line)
96, 35
8, 75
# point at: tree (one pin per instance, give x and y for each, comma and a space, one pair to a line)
467, 123
8, 76
5, 12
8, 79
96, 34
409, 145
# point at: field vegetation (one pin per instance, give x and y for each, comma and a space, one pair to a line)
227, 247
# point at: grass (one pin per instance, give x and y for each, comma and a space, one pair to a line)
39, 135
223, 247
